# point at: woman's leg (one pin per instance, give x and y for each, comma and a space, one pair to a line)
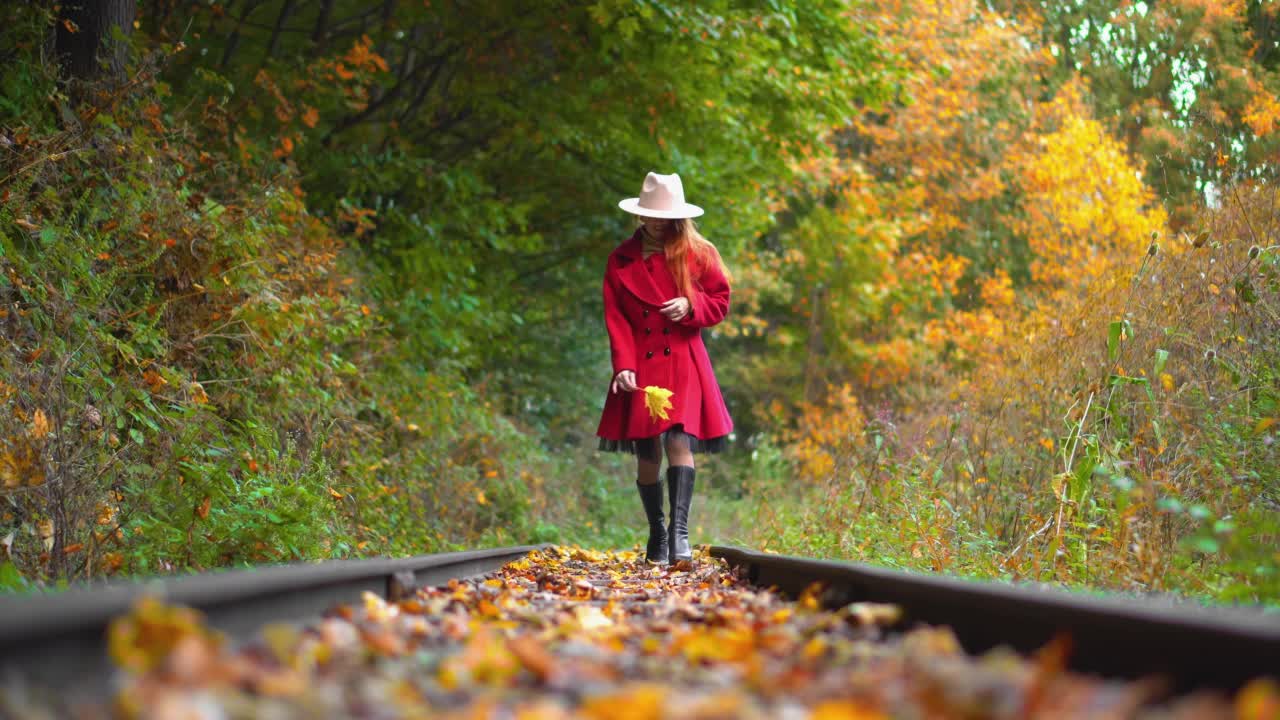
648, 462
678, 449
680, 490
647, 469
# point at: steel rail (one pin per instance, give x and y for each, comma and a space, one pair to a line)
58, 640
1194, 647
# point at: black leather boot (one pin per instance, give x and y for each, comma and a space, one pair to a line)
656, 549
680, 491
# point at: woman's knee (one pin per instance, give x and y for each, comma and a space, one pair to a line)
647, 469
679, 451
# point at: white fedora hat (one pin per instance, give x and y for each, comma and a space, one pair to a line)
661, 197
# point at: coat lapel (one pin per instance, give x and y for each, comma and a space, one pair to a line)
635, 276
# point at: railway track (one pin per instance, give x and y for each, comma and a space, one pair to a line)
611, 622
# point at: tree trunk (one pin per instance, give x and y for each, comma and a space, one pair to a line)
813, 346
274, 44
233, 42
85, 33
319, 35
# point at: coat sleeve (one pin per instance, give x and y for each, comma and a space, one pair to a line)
622, 344
711, 304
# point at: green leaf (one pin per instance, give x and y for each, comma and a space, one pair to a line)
1162, 356
1203, 544
1244, 289
1117, 331
10, 578
1114, 330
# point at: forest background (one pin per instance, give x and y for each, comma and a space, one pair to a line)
301, 279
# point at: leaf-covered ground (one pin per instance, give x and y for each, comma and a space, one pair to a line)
570, 633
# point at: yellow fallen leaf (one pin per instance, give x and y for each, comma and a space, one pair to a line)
639, 701
590, 618
658, 402
1259, 699
845, 710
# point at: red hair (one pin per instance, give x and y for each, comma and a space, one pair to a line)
688, 250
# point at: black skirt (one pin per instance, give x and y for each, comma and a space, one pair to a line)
649, 448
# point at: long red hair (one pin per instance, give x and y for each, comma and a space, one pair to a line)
686, 250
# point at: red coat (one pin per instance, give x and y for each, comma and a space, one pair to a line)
661, 352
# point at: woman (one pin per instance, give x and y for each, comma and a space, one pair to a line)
661, 287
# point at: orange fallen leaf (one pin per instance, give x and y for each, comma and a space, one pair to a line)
154, 380
533, 655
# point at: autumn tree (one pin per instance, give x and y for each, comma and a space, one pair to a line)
906, 256
1190, 85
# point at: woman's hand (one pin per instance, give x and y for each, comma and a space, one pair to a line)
625, 381
676, 309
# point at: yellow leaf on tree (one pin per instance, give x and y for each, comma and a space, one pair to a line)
39, 424
658, 401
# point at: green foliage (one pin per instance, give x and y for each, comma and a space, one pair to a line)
488, 144
191, 379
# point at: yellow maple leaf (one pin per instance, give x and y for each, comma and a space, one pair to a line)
658, 401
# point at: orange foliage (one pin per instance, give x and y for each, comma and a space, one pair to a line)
975, 208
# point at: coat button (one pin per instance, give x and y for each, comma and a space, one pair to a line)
647, 331
645, 313
666, 351
649, 354
666, 331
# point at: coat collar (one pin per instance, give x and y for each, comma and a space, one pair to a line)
635, 275
632, 248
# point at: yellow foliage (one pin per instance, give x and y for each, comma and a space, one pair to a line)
827, 434
658, 402
1083, 199
1262, 114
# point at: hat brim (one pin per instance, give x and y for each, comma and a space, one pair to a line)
633, 206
